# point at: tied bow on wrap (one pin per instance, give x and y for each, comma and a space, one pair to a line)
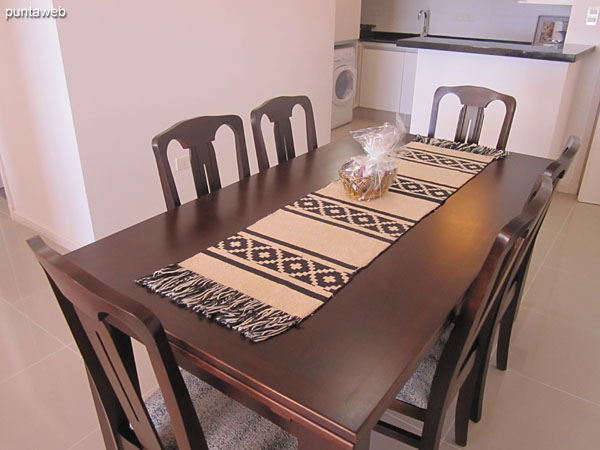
368, 176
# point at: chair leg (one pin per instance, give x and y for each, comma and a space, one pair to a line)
506, 322
481, 368
506, 325
463, 408
477, 399
433, 424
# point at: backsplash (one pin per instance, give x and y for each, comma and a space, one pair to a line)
490, 19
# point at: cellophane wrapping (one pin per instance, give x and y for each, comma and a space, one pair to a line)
370, 175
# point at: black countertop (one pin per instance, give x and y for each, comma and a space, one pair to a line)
566, 53
518, 49
367, 34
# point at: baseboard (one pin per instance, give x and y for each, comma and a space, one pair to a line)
62, 241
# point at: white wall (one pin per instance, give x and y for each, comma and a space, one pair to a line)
491, 19
134, 68
585, 115
543, 89
590, 185
38, 148
347, 19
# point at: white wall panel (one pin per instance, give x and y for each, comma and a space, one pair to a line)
38, 146
347, 19
543, 90
134, 68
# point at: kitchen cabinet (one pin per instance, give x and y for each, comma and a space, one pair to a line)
544, 90
547, 2
409, 74
387, 78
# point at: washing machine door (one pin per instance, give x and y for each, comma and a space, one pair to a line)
344, 85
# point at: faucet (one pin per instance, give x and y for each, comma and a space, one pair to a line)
425, 14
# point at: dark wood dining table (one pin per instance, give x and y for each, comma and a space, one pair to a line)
330, 379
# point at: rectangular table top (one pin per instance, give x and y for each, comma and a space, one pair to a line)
341, 367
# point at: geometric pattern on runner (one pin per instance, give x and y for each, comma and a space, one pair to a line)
426, 190
367, 220
286, 262
443, 161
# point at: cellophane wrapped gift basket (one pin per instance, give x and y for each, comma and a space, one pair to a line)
369, 176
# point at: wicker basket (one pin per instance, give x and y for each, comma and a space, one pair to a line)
367, 188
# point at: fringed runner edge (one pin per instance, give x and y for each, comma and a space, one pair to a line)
462, 146
247, 315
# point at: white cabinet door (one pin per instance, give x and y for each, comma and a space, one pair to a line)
381, 79
547, 2
408, 83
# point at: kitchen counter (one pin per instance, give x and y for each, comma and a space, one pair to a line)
393, 36
568, 53
384, 36
542, 80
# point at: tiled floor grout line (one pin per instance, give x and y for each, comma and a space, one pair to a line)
450, 430
12, 268
41, 326
450, 444
19, 372
570, 394
566, 271
36, 323
63, 345
74, 350
83, 438
561, 319
556, 235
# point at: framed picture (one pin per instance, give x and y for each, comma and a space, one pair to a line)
550, 30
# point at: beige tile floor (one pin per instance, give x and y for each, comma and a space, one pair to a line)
548, 399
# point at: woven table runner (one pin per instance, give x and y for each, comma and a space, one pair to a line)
270, 276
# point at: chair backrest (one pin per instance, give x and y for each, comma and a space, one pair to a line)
481, 300
279, 112
554, 172
198, 135
102, 322
556, 169
474, 100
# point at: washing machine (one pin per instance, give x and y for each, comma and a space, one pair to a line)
344, 85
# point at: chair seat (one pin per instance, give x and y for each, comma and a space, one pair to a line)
417, 388
227, 425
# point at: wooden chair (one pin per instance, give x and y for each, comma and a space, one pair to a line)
557, 169
279, 112
451, 366
474, 100
197, 135
510, 302
103, 322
